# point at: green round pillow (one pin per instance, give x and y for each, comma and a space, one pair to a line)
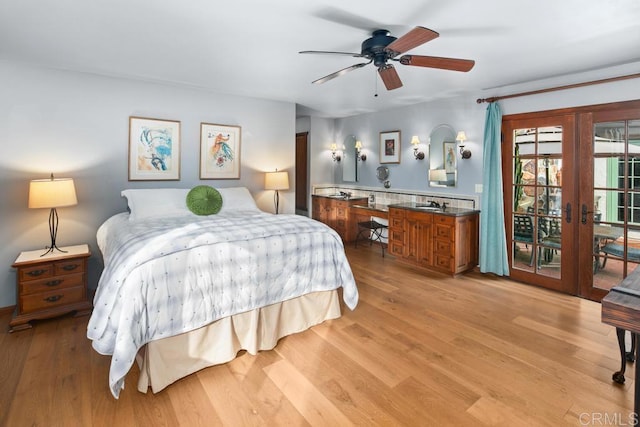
204, 200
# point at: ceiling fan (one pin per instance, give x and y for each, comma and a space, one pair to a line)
382, 47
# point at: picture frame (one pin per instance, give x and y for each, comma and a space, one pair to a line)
154, 149
220, 151
449, 156
390, 146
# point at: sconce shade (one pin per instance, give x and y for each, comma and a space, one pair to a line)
415, 141
358, 145
333, 147
52, 193
461, 136
437, 175
276, 181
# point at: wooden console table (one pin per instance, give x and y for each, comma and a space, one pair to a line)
621, 308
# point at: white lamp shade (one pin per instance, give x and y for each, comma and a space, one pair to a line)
276, 181
358, 145
415, 140
52, 193
437, 175
461, 136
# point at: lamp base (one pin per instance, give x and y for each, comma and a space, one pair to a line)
53, 231
276, 201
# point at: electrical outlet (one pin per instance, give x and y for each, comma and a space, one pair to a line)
478, 188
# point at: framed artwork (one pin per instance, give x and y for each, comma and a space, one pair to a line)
390, 146
219, 151
449, 153
154, 149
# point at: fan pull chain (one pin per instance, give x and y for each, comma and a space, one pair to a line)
375, 79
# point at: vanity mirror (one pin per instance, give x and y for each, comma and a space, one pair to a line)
443, 170
349, 160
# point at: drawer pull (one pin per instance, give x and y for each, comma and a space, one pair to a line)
53, 298
53, 283
36, 273
70, 267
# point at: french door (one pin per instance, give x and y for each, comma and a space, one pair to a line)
610, 199
540, 197
572, 197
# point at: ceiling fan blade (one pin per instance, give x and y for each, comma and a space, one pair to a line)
339, 73
389, 77
413, 38
453, 64
328, 52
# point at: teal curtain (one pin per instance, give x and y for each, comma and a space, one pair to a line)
493, 240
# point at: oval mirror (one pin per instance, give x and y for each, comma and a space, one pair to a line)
443, 169
349, 160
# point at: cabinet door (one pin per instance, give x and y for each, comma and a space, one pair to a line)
424, 248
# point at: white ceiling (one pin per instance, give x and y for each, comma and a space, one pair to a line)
250, 47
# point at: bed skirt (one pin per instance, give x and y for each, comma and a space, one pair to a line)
165, 361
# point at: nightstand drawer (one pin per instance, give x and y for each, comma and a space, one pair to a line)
55, 298
68, 267
35, 272
52, 283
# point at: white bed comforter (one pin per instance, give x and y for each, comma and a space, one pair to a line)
167, 276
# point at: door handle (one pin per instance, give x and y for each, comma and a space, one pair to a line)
568, 213
584, 213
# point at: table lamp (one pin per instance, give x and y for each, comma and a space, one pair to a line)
276, 181
52, 193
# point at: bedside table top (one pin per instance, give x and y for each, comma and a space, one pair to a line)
36, 256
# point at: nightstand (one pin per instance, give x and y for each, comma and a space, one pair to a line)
50, 285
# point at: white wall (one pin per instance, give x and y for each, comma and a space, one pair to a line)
76, 125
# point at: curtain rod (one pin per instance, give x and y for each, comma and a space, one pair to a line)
553, 89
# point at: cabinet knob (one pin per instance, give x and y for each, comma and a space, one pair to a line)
53, 298
70, 267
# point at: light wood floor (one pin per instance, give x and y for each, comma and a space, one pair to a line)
420, 349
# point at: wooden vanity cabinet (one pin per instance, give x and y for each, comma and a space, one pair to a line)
446, 243
410, 236
336, 214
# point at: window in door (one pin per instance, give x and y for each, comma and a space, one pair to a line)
616, 210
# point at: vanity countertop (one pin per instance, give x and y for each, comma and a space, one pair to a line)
419, 207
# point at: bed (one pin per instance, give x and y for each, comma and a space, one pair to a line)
180, 292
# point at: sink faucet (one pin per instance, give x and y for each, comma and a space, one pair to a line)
434, 204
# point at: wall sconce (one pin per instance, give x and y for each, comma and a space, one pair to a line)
461, 138
359, 156
334, 149
415, 141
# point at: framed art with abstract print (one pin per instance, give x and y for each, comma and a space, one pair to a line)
390, 146
154, 149
219, 151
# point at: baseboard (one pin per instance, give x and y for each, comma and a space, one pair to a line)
7, 310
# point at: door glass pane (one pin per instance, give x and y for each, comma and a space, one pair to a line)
537, 204
616, 210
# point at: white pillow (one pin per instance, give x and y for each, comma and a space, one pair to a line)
237, 199
164, 202
156, 202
